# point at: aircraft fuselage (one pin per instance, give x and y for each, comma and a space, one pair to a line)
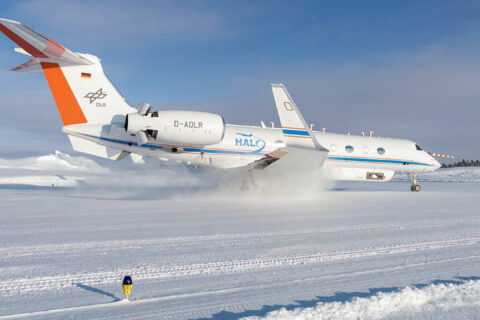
349, 155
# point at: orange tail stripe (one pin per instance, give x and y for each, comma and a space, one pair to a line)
22, 43
58, 45
67, 104
287, 135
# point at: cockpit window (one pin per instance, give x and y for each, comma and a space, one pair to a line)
418, 147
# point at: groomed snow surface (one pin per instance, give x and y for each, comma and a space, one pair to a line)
199, 246
433, 301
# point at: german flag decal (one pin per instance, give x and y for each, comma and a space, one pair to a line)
86, 75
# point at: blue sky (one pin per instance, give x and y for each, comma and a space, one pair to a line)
406, 69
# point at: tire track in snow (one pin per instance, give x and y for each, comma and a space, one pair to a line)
56, 282
9, 252
186, 312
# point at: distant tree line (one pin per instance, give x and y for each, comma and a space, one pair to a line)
463, 163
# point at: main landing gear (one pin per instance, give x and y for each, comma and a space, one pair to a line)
415, 186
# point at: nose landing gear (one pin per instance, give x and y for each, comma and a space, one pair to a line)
415, 187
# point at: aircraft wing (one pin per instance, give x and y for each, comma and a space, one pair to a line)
303, 152
292, 160
295, 129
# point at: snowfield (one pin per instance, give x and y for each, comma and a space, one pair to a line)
448, 175
436, 300
199, 246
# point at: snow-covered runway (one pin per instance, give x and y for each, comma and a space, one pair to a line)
354, 249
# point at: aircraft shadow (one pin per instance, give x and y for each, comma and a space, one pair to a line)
337, 297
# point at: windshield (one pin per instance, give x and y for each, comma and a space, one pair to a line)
418, 147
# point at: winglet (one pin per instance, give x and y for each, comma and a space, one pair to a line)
294, 127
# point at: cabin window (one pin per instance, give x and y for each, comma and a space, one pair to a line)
333, 147
381, 151
349, 149
418, 147
365, 149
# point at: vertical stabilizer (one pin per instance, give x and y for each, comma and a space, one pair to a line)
87, 87
80, 88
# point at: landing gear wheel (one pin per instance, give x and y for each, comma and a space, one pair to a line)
415, 188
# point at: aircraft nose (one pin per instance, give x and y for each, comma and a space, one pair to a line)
435, 163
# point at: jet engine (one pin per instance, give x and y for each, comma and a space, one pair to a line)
188, 128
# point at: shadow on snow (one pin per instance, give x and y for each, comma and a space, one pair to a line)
96, 290
337, 297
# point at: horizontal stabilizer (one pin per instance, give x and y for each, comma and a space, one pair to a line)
30, 66
39, 46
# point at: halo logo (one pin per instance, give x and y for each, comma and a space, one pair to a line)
248, 140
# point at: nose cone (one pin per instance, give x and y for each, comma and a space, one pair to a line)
435, 163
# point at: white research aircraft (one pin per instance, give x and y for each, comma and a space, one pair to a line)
98, 121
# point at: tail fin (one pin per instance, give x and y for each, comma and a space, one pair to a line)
81, 90
294, 127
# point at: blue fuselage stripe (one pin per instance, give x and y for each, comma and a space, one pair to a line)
215, 151
378, 161
222, 151
296, 132
153, 146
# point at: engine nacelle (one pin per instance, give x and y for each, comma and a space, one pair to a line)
188, 128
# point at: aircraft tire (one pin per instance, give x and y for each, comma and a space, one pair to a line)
415, 188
